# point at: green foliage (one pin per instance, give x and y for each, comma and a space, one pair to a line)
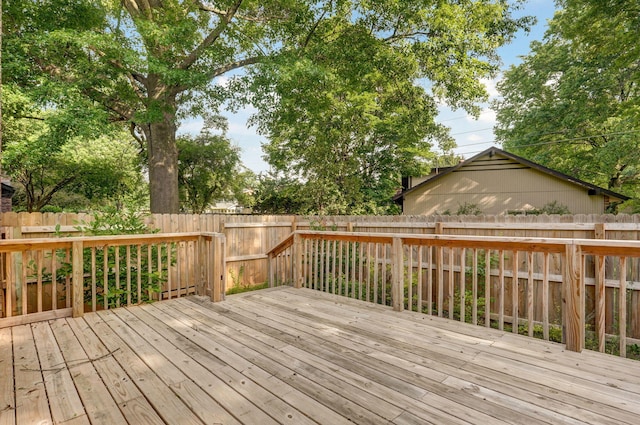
113, 222
468, 208
209, 170
241, 289
363, 66
55, 162
347, 119
573, 103
553, 207
280, 195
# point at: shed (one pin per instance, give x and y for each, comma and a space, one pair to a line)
6, 194
498, 182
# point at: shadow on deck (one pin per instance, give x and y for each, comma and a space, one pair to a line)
299, 356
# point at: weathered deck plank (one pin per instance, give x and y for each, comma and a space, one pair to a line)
299, 356
7, 393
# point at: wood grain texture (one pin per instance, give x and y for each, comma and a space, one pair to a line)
300, 356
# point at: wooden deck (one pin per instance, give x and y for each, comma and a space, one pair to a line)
298, 356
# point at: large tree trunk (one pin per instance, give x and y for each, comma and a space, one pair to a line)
163, 162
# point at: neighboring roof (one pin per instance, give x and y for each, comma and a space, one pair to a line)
493, 151
7, 190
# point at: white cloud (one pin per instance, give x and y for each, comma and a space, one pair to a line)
491, 87
487, 116
191, 127
240, 129
221, 81
474, 138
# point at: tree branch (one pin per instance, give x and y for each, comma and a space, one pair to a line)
223, 69
225, 18
220, 12
401, 36
313, 30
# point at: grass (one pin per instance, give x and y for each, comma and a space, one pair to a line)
238, 289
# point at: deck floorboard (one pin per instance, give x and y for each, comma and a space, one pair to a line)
299, 356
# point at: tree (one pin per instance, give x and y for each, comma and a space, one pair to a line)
276, 194
48, 158
573, 103
150, 63
209, 170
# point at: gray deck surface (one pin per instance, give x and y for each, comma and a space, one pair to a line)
298, 356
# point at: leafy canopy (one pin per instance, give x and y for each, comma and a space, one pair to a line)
573, 104
150, 64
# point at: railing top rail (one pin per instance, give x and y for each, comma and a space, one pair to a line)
12, 245
286, 243
588, 246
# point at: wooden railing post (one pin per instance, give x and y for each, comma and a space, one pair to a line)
573, 299
219, 269
77, 279
600, 290
270, 270
199, 266
397, 275
297, 261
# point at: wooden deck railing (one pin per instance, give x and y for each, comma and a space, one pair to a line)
46, 278
574, 291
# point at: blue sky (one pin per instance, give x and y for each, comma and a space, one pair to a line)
472, 136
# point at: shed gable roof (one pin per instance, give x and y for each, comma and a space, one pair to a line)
476, 163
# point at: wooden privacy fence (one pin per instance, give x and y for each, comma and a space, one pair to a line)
55, 277
575, 291
249, 237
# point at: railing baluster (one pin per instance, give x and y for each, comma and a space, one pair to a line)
128, 262
375, 272
430, 279
622, 307
501, 291
139, 274
515, 292
360, 259
462, 275
545, 297
440, 278
600, 302
105, 277
487, 288
39, 266
368, 298
94, 295
530, 294
420, 279
451, 288
354, 249
474, 287
409, 278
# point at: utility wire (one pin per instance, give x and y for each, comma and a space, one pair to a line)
526, 145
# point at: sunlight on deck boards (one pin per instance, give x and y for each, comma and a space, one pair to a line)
298, 356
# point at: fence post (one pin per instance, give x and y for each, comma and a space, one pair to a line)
77, 279
573, 299
297, 261
397, 275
